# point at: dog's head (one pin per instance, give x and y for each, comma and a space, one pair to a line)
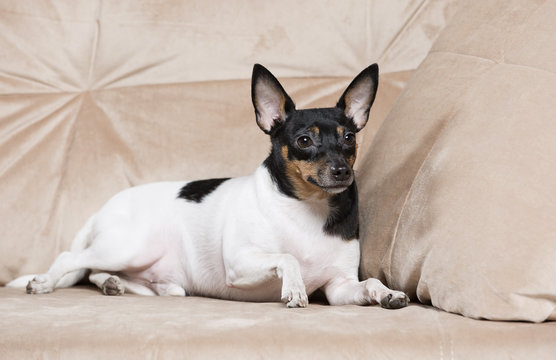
314, 149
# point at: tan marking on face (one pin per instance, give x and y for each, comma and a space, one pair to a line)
298, 171
314, 129
351, 159
340, 131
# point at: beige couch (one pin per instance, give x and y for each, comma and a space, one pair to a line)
457, 174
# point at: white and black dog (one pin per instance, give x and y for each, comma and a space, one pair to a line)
284, 232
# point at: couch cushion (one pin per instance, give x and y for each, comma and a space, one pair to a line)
458, 199
80, 323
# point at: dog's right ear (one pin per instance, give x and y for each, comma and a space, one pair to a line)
272, 104
359, 96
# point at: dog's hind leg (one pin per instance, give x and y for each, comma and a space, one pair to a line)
71, 278
169, 289
67, 280
115, 285
74, 262
63, 269
109, 284
81, 242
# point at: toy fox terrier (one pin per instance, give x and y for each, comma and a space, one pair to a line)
284, 232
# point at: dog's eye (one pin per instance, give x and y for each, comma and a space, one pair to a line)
349, 139
304, 142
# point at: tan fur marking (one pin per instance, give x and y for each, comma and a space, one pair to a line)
351, 159
298, 172
340, 131
314, 129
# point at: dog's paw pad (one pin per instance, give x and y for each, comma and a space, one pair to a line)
39, 285
113, 286
295, 298
394, 300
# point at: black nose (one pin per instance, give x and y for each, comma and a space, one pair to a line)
340, 172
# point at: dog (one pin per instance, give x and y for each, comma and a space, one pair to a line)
280, 234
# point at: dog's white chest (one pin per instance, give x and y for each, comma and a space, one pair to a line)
269, 222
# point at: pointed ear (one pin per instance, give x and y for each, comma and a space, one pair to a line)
272, 104
356, 101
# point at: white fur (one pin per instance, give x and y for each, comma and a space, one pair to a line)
244, 241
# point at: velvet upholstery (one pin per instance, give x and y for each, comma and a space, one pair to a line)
458, 186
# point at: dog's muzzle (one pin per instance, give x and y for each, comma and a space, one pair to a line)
334, 180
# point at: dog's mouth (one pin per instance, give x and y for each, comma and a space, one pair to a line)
331, 187
334, 189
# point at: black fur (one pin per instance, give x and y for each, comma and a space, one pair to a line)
323, 130
277, 169
343, 220
299, 121
197, 190
316, 137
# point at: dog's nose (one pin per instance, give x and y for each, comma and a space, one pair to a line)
340, 172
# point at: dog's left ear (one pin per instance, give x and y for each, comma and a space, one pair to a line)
272, 104
356, 101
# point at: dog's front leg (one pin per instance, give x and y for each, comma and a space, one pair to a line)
349, 290
250, 269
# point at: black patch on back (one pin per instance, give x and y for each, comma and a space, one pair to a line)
343, 220
197, 190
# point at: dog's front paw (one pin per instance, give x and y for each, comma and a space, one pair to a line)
394, 300
41, 284
295, 298
113, 286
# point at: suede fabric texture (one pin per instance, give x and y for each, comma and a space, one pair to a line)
458, 202
81, 323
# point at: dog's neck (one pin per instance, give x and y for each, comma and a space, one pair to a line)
277, 170
343, 213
